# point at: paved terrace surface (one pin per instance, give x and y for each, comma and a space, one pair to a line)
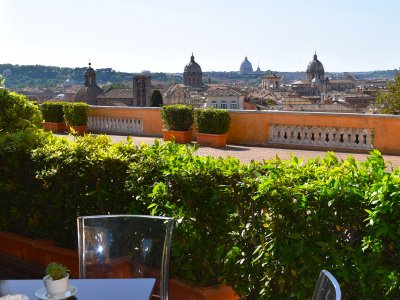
248, 153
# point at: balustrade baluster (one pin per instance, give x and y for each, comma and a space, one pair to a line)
349, 138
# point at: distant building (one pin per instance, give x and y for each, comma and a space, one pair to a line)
271, 81
7, 72
192, 74
225, 98
141, 90
246, 67
116, 97
316, 84
315, 70
89, 92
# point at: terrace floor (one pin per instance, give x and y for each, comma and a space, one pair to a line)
248, 153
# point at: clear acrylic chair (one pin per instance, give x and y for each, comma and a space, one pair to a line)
126, 246
327, 287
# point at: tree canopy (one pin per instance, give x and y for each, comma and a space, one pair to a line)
156, 99
390, 98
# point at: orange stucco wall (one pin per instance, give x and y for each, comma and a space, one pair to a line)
150, 116
251, 127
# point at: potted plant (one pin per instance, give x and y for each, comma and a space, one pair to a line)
212, 126
178, 121
53, 116
56, 280
77, 114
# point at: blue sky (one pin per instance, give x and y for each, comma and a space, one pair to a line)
136, 35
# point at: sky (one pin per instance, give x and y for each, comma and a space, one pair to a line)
160, 36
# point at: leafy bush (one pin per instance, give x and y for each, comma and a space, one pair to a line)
266, 229
76, 113
53, 111
212, 120
18, 182
17, 112
177, 117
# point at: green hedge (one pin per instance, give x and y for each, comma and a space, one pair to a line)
53, 111
76, 113
177, 117
266, 229
17, 112
212, 120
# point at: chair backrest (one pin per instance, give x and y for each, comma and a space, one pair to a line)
125, 246
327, 287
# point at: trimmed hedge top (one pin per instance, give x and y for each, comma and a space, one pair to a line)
53, 111
76, 113
212, 120
177, 117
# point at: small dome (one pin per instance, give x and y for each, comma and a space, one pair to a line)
192, 66
68, 83
7, 72
315, 69
246, 67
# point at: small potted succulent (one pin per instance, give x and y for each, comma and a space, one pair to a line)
56, 280
212, 126
77, 114
178, 122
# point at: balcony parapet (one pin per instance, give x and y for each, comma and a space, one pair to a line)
123, 125
329, 137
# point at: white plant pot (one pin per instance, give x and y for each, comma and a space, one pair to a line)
56, 287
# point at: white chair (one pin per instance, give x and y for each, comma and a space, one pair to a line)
327, 287
126, 246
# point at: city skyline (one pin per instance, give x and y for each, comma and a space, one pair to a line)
132, 36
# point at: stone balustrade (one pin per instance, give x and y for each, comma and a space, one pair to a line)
115, 125
330, 137
308, 130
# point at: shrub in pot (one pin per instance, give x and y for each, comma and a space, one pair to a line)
212, 126
56, 279
76, 115
53, 116
178, 120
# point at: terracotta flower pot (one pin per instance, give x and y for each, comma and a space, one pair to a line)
178, 290
212, 140
180, 137
40, 252
54, 127
80, 130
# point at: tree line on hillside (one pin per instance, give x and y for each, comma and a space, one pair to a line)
20, 76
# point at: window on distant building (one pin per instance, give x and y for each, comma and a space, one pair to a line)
223, 105
214, 104
233, 104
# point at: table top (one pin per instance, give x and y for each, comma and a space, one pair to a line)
88, 289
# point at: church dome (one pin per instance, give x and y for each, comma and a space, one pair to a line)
315, 69
246, 67
192, 66
192, 74
89, 92
68, 83
7, 72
